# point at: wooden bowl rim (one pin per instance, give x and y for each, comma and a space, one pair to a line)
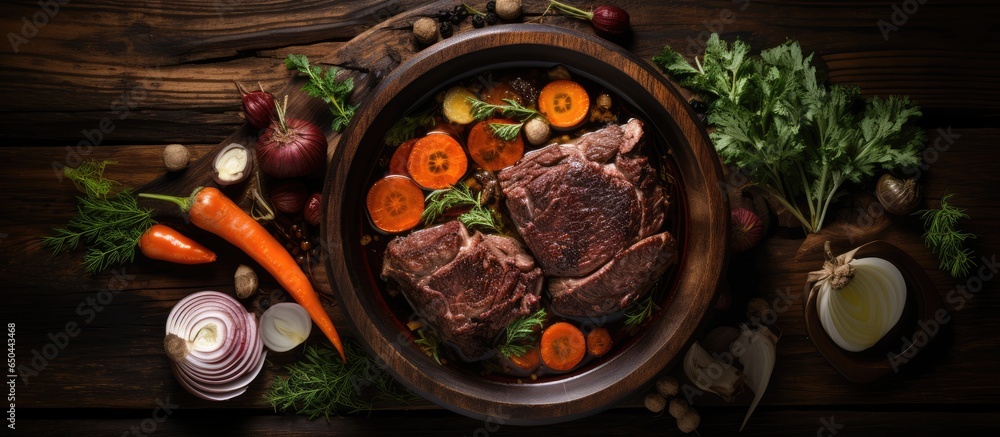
607, 383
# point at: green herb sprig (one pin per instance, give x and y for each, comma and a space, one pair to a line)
429, 342
110, 227
459, 195
640, 312
505, 131
520, 334
407, 127
799, 139
89, 178
326, 86
321, 384
946, 240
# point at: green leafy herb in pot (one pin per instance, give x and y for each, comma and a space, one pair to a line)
801, 139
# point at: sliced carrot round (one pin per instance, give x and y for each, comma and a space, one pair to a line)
397, 164
599, 341
500, 92
565, 103
395, 203
563, 346
490, 151
527, 362
437, 161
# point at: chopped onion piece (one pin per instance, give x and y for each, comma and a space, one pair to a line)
285, 326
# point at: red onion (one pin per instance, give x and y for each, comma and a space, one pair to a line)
314, 209
289, 196
610, 20
213, 345
747, 230
258, 106
291, 148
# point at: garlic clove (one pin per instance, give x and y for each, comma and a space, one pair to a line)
758, 359
710, 374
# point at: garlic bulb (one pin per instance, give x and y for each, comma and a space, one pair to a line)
897, 196
859, 300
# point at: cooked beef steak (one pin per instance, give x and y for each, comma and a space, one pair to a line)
585, 211
467, 288
617, 284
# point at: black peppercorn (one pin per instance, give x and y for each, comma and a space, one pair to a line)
478, 21
492, 18
446, 29
491, 6
443, 16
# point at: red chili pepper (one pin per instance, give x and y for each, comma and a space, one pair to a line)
166, 244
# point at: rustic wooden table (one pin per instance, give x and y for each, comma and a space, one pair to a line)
118, 79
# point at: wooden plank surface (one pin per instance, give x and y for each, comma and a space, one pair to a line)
163, 72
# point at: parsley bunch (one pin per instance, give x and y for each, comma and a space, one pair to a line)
325, 86
800, 139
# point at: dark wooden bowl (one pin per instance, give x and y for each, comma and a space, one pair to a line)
356, 283
923, 306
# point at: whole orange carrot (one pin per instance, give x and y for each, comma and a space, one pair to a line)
164, 243
212, 211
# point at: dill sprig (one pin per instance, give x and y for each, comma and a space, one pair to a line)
640, 312
946, 240
478, 216
88, 177
505, 131
110, 227
326, 86
521, 333
407, 127
321, 384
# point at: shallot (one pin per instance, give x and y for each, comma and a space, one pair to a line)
213, 345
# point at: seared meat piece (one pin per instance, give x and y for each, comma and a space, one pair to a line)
466, 287
585, 211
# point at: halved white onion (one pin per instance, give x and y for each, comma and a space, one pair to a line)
860, 314
213, 344
284, 326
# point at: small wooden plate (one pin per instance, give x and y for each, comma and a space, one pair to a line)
913, 333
